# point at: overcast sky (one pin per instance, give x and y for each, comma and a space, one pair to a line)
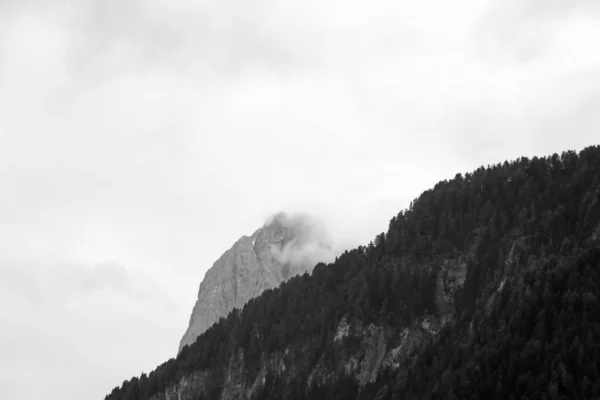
139, 139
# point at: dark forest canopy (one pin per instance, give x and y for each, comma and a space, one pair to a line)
539, 340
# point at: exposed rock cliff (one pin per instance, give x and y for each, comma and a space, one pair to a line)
285, 246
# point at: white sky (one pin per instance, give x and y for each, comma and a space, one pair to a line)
139, 139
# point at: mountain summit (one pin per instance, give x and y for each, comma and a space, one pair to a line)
286, 245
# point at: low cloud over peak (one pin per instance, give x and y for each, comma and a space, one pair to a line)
311, 242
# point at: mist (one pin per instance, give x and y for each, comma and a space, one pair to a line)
311, 241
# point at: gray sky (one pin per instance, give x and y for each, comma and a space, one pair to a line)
140, 139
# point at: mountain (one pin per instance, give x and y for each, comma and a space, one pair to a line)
487, 286
287, 245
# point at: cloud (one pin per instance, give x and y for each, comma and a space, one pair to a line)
107, 275
533, 30
56, 313
310, 242
64, 280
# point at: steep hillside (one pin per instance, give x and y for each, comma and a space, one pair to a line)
285, 246
486, 287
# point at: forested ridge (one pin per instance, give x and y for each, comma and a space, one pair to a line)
525, 323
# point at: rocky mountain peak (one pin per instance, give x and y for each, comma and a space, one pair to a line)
286, 245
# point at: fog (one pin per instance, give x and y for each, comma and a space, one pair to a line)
311, 242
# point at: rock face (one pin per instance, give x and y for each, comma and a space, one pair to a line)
285, 246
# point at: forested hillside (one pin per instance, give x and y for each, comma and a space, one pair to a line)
486, 287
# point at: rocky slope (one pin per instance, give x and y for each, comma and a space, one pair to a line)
285, 246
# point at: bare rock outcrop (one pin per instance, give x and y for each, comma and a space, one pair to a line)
285, 246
